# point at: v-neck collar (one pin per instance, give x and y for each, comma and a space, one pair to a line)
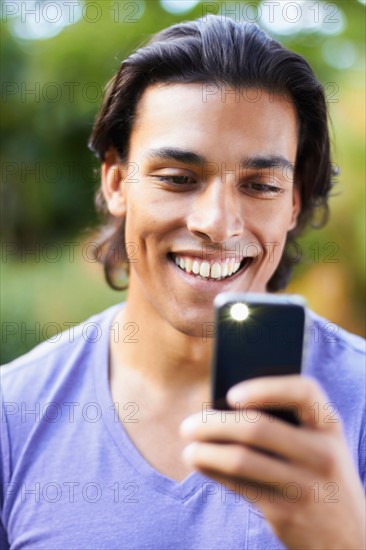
180, 490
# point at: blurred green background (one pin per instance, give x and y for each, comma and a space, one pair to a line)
56, 60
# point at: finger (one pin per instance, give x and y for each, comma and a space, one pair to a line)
242, 463
276, 505
281, 390
296, 444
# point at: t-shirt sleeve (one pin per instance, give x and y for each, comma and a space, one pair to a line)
362, 456
4, 545
4, 469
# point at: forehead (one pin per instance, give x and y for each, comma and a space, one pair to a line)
217, 121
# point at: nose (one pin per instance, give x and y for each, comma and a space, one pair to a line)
216, 212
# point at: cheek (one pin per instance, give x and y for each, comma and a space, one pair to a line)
150, 217
269, 230
270, 221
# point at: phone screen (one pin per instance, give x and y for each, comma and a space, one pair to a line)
256, 335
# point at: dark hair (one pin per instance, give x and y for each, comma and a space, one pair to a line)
217, 50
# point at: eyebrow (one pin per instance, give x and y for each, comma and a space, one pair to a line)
259, 162
172, 153
256, 162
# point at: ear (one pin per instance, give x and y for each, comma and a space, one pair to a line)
296, 206
112, 184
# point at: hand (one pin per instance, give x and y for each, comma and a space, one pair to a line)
310, 491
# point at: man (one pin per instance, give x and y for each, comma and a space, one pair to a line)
213, 135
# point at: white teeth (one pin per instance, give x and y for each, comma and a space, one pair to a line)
224, 270
216, 270
196, 267
205, 269
236, 267
188, 265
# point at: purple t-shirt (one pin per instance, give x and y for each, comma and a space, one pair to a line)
72, 478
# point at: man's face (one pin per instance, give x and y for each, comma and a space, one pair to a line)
210, 188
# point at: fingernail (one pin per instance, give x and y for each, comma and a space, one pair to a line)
236, 394
189, 453
188, 426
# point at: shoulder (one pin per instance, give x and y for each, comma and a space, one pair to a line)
332, 353
38, 388
336, 359
332, 341
56, 358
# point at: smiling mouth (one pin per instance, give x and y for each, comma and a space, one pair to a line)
210, 271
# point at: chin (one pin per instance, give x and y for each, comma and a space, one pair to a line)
199, 324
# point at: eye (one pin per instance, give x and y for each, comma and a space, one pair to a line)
176, 180
263, 189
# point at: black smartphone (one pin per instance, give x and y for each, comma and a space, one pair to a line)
257, 335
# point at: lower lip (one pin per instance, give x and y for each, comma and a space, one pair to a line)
208, 285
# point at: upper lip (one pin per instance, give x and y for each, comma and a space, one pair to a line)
210, 257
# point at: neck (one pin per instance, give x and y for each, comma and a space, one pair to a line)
154, 351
